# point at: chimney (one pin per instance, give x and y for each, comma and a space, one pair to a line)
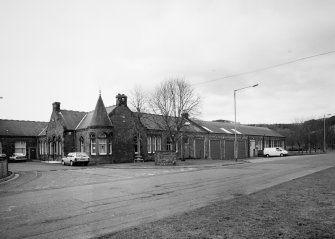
121, 99
56, 106
184, 115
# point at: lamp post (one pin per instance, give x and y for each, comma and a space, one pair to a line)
324, 132
235, 140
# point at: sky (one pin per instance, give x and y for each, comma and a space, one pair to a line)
66, 51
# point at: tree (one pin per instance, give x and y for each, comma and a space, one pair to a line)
138, 103
173, 100
138, 100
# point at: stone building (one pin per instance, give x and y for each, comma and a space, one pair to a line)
115, 134
20, 137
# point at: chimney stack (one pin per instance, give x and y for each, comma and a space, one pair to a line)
121, 99
56, 106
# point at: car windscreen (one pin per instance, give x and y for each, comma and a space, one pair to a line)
82, 155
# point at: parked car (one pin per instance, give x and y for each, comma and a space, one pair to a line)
18, 157
76, 158
3, 156
276, 151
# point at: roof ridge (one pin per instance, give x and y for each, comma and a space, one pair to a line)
73, 111
32, 121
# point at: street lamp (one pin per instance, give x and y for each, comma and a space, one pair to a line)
235, 141
324, 132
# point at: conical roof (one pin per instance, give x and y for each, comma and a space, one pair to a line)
100, 116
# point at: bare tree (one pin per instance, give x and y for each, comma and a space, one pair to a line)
172, 100
138, 100
138, 103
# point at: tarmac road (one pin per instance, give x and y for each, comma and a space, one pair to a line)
89, 202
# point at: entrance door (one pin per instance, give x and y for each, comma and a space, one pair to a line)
32, 153
252, 148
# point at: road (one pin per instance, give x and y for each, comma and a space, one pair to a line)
89, 202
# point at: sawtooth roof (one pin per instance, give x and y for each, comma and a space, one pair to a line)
228, 128
21, 127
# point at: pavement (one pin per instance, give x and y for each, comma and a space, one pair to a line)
58, 201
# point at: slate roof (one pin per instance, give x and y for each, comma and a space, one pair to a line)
156, 122
21, 127
228, 128
71, 118
89, 118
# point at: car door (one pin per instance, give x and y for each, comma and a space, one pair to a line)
68, 158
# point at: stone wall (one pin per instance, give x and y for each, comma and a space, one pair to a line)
125, 129
8, 144
85, 134
3, 168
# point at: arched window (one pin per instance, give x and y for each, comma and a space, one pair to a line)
54, 146
50, 147
59, 142
102, 144
81, 144
93, 144
110, 147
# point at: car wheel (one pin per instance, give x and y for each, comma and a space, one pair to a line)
63, 162
71, 163
267, 156
281, 155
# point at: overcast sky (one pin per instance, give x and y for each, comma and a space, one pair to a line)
66, 50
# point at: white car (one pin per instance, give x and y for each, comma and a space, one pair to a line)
18, 157
276, 151
76, 158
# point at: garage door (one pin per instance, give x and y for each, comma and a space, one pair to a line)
215, 149
229, 149
198, 148
241, 149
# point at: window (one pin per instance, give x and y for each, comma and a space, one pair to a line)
59, 146
50, 148
103, 144
149, 144
45, 147
110, 147
81, 144
154, 143
159, 143
0, 148
93, 144
168, 144
20, 147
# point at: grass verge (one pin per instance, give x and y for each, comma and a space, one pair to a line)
301, 208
